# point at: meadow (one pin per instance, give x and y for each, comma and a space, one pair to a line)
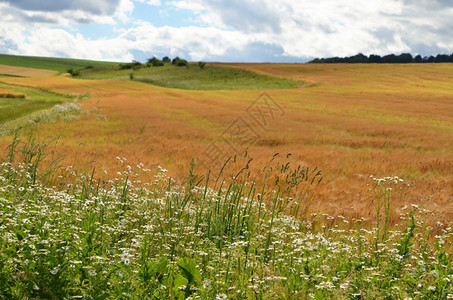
378, 224
61, 65
205, 238
195, 78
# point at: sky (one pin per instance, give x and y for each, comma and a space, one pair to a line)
224, 30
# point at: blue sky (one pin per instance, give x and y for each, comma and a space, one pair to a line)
224, 30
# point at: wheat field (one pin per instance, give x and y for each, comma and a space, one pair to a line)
351, 121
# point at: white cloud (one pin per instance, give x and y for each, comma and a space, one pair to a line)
251, 30
330, 27
153, 2
150, 2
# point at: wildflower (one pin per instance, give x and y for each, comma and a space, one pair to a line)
125, 257
431, 288
54, 271
221, 296
344, 285
92, 272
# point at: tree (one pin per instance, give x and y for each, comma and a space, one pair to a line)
374, 59
155, 62
404, 58
442, 58
389, 59
166, 59
359, 58
418, 59
430, 59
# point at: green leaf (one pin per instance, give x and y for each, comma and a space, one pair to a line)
319, 295
189, 270
180, 281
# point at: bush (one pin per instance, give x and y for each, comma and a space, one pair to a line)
155, 62
180, 62
73, 72
201, 65
175, 60
135, 65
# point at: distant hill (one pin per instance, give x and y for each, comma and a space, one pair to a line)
387, 59
61, 65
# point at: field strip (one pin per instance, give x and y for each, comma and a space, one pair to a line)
26, 72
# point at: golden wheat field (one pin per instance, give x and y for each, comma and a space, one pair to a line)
351, 121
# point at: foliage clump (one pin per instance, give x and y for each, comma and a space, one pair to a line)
134, 65
179, 62
155, 62
73, 73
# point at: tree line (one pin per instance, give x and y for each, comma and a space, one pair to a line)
403, 58
155, 62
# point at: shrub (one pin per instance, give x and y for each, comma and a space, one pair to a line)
175, 60
180, 62
155, 62
201, 64
73, 72
135, 65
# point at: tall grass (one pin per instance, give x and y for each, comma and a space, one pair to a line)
210, 237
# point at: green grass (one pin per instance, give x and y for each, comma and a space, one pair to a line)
36, 99
123, 238
14, 108
194, 78
48, 63
26, 105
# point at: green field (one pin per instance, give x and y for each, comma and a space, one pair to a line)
48, 63
18, 108
191, 78
194, 78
